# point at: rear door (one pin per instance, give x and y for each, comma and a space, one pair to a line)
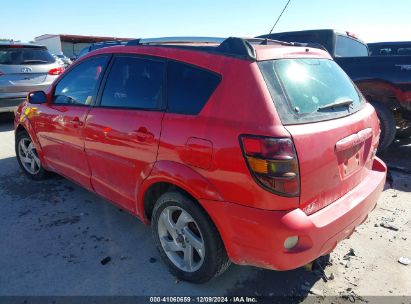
122, 133
335, 133
60, 124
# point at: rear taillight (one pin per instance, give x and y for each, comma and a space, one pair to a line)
273, 162
56, 71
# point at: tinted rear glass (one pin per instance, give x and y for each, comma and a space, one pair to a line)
189, 88
348, 47
301, 88
26, 56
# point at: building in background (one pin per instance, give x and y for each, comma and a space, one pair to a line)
70, 45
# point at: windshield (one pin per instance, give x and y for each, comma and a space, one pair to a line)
308, 90
25, 55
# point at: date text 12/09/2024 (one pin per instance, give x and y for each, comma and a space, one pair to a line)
185, 299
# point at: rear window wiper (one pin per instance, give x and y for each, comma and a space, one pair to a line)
338, 103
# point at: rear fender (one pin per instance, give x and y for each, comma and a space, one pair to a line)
179, 175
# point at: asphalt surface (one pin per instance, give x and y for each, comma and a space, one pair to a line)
54, 235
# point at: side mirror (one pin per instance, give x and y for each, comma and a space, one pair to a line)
37, 97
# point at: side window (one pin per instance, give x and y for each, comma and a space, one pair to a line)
404, 51
134, 83
79, 86
385, 51
189, 88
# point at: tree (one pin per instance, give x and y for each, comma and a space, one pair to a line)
9, 40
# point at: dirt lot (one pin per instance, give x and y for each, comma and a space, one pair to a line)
53, 235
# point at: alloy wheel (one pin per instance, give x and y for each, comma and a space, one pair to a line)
28, 156
181, 238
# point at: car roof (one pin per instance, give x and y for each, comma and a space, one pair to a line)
113, 42
20, 44
254, 49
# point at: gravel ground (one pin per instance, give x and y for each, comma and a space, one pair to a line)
54, 234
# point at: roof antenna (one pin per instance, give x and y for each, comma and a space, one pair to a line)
278, 19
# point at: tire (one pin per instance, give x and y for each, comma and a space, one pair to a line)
387, 126
182, 229
27, 157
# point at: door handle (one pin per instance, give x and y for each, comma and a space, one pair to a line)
76, 122
143, 134
353, 140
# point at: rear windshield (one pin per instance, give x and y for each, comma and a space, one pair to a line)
25, 55
348, 47
310, 90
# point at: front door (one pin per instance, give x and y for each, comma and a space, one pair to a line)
60, 123
122, 133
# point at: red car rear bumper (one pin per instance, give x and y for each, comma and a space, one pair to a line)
256, 237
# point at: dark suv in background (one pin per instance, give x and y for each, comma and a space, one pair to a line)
24, 68
384, 81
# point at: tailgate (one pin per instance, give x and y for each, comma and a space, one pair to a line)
25, 79
18, 78
334, 156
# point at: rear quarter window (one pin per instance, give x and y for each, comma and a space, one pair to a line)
304, 89
189, 88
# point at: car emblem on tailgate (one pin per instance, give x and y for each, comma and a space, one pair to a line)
26, 70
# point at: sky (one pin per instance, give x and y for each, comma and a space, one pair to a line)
370, 20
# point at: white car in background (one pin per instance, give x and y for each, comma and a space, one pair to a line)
67, 61
58, 60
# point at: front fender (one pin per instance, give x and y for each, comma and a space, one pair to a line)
180, 175
22, 120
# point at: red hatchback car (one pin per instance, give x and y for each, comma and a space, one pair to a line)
253, 151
